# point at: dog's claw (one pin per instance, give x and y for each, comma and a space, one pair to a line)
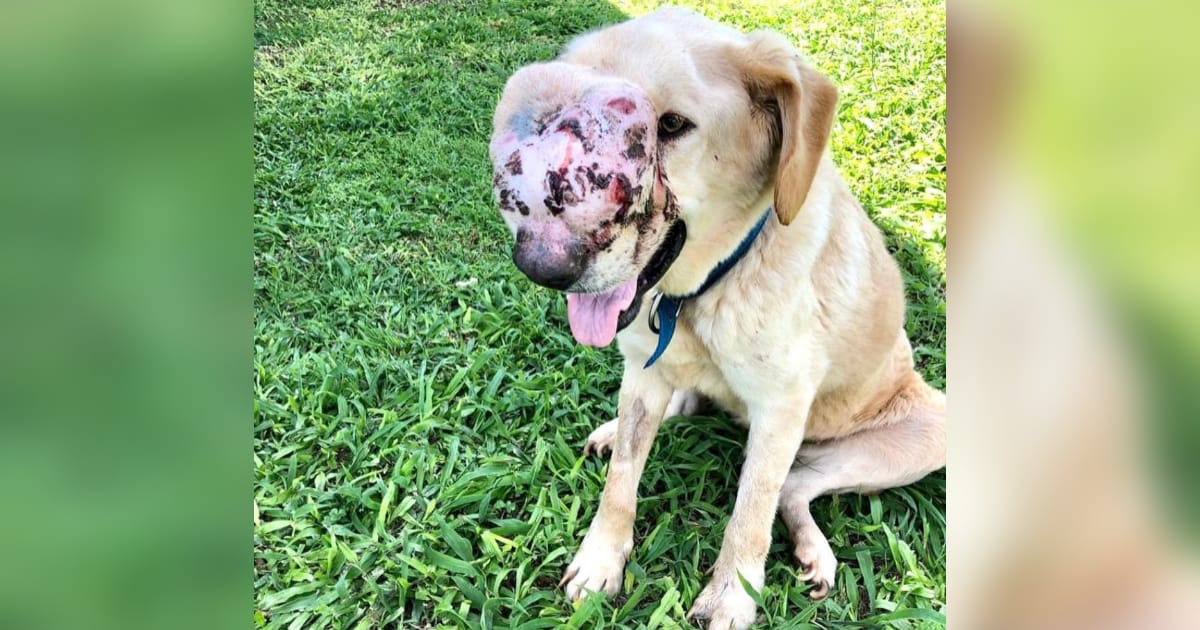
817, 564
600, 441
807, 571
598, 567
820, 591
723, 604
571, 571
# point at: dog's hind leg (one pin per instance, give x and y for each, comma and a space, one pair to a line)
684, 402
905, 442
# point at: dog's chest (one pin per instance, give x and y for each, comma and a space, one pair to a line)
692, 361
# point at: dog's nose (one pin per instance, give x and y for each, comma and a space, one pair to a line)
552, 263
582, 153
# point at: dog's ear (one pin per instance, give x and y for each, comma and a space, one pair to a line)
803, 101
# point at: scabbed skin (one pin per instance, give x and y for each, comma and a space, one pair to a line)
576, 174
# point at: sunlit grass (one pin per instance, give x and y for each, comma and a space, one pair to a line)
420, 407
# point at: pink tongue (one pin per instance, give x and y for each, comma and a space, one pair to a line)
593, 316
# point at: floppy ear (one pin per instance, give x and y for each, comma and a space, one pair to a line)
781, 82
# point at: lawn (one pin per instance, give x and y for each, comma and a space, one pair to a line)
420, 407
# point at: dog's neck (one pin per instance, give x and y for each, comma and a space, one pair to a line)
707, 246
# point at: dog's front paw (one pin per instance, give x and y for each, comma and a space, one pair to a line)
601, 439
598, 567
818, 566
725, 605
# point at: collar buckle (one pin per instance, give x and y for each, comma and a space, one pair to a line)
652, 320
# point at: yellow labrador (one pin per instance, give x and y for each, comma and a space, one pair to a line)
675, 168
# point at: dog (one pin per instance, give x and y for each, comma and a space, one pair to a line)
670, 174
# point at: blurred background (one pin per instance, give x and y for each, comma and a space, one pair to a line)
125, 316
1072, 337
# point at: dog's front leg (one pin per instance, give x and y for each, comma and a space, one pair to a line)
775, 436
600, 563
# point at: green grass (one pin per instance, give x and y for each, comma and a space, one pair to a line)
420, 407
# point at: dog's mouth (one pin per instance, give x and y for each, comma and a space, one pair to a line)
595, 318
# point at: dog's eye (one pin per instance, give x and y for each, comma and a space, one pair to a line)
672, 125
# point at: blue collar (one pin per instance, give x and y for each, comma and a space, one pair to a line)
666, 307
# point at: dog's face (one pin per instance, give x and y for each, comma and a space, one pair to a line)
639, 137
